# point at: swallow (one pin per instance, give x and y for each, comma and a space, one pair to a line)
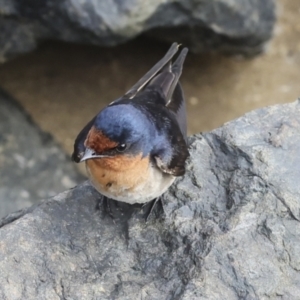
136, 146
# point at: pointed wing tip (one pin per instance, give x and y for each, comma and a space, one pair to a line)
175, 44
153, 71
184, 51
178, 63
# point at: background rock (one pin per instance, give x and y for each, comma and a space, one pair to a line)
239, 26
32, 165
230, 228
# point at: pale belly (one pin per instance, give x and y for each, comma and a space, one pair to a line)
130, 186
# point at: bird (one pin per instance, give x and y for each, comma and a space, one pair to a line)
137, 146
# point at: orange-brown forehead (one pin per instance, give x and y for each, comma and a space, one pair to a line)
98, 141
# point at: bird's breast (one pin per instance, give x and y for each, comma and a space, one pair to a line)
131, 179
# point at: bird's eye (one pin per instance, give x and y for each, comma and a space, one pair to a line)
121, 147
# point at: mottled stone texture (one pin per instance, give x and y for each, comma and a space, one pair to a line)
230, 228
32, 165
232, 26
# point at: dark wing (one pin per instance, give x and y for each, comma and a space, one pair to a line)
79, 147
176, 102
168, 83
177, 106
144, 81
172, 159
154, 70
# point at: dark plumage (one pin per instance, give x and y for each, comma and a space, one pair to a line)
149, 121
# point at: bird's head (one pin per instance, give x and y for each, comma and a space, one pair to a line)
118, 129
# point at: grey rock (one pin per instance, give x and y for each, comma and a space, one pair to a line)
229, 229
231, 26
32, 165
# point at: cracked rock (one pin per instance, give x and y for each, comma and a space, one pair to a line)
229, 229
230, 26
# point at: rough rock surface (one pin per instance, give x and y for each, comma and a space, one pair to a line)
32, 165
230, 228
234, 26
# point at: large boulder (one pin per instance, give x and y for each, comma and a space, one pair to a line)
228, 229
32, 165
232, 26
